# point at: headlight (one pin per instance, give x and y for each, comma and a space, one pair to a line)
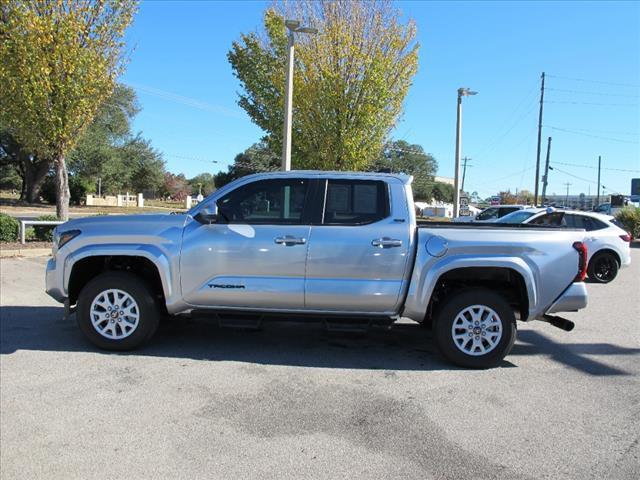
63, 238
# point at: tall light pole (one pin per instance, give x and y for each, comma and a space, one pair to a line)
462, 92
293, 26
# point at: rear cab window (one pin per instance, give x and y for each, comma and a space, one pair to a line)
355, 202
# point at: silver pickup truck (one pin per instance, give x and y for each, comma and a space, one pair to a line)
341, 247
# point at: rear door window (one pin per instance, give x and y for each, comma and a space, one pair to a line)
555, 219
355, 202
488, 214
506, 210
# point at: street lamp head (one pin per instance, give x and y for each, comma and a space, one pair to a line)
465, 92
292, 24
307, 30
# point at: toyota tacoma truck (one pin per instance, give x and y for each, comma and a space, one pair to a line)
334, 246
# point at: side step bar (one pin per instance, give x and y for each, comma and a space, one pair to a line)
559, 322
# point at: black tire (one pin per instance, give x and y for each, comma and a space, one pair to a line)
603, 267
133, 286
456, 304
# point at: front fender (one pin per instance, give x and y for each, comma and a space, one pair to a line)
168, 272
430, 269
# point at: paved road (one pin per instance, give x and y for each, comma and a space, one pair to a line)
292, 401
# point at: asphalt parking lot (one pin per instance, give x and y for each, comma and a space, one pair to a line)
292, 401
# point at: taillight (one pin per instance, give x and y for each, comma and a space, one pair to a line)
582, 261
626, 238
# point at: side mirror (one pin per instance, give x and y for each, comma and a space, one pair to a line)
207, 215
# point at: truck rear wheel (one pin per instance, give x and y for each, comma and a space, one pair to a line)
117, 311
475, 328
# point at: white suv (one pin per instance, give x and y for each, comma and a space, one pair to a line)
491, 214
608, 245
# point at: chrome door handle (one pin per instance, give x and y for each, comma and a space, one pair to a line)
386, 242
290, 240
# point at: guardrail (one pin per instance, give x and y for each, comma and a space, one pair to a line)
24, 223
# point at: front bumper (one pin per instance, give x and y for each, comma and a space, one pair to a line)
54, 281
572, 299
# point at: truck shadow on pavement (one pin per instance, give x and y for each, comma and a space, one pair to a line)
406, 346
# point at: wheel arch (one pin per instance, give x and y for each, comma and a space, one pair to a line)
503, 281
605, 251
426, 285
88, 263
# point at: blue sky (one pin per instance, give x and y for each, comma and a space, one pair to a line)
589, 50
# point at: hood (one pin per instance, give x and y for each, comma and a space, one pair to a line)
126, 228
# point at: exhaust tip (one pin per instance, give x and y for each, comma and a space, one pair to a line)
559, 322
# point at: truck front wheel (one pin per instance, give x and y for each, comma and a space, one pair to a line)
475, 328
116, 311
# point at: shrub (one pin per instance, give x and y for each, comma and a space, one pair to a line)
9, 228
44, 233
78, 189
630, 218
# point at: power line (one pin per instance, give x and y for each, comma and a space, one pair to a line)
572, 175
592, 167
183, 157
583, 92
531, 105
635, 134
634, 85
593, 103
575, 132
191, 102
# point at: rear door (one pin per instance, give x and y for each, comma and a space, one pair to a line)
359, 251
254, 257
597, 236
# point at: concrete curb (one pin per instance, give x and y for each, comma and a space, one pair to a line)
25, 252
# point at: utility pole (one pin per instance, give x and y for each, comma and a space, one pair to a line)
598, 191
545, 178
535, 195
462, 92
292, 26
464, 171
100, 187
566, 198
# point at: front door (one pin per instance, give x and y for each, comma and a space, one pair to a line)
359, 253
254, 257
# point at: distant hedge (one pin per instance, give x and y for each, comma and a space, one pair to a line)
44, 233
9, 228
630, 218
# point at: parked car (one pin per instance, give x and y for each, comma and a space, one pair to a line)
608, 244
491, 214
334, 246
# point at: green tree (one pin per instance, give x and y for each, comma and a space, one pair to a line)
99, 152
525, 197
202, 183
507, 198
442, 192
58, 64
349, 84
257, 158
400, 156
15, 160
144, 166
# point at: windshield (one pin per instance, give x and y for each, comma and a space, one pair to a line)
516, 217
